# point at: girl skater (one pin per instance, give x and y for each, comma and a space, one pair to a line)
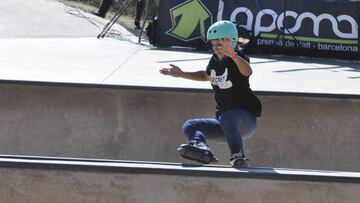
236, 105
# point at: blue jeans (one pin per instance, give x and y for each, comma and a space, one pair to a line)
235, 125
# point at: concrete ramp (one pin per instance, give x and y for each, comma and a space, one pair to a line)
49, 179
137, 123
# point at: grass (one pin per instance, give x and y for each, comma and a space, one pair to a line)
125, 20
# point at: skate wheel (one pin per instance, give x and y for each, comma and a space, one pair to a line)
240, 164
214, 160
206, 159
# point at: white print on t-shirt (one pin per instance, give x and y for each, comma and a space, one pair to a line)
220, 80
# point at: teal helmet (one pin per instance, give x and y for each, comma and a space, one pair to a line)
223, 29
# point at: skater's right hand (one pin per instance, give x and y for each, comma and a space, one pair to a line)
174, 71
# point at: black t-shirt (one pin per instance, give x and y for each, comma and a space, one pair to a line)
232, 89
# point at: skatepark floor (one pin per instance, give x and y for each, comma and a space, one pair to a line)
59, 45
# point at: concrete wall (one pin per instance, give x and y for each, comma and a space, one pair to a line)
294, 131
43, 186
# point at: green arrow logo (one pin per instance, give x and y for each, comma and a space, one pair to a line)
188, 20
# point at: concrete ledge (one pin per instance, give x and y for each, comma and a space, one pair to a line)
55, 180
176, 89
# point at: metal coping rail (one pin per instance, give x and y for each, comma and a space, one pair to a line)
165, 168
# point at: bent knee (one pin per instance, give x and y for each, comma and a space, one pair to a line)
188, 125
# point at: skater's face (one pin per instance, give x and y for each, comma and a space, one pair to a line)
217, 46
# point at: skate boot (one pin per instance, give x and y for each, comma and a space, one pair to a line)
197, 151
238, 160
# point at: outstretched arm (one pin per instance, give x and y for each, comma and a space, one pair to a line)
175, 71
